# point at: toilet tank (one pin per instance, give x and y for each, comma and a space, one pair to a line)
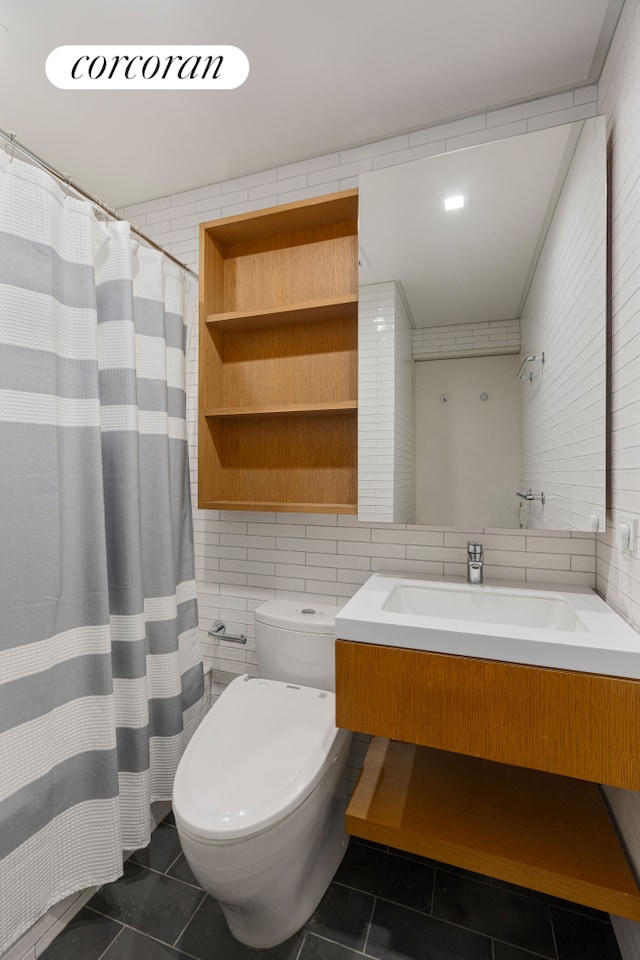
295, 642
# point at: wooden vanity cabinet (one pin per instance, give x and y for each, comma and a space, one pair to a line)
278, 351
494, 767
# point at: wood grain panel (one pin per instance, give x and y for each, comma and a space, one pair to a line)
309, 265
289, 507
278, 329
308, 362
285, 409
285, 218
544, 832
310, 311
288, 459
578, 724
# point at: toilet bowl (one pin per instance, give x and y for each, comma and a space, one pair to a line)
260, 793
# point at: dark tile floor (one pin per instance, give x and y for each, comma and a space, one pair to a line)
382, 904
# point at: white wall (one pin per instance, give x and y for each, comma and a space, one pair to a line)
230, 545
562, 410
244, 558
467, 447
491, 337
385, 405
618, 577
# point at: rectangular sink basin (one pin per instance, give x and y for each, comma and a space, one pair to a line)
484, 605
569, 628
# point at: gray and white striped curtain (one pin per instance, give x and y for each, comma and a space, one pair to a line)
100, 672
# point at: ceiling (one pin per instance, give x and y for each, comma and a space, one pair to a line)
323, 77
470, 265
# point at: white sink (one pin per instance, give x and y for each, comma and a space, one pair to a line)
484, 605
570, 628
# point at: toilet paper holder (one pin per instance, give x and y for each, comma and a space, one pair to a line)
218, 630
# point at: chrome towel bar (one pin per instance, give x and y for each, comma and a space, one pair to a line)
530, 495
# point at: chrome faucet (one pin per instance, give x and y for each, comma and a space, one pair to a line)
475, 562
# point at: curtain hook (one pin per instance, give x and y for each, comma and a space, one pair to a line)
12, 145
67, 184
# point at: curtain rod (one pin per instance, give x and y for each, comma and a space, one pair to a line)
10, 138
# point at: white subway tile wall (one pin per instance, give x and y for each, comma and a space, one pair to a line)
618, 574
286, 547
467, 340
562, 410
243, 559
226, 543
385, 406
404, 448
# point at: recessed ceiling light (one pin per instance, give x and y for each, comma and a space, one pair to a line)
455, 202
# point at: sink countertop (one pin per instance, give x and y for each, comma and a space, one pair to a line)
603, 642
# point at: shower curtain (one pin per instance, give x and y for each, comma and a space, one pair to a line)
101, 678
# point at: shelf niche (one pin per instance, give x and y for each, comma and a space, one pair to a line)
278, 358
539, 830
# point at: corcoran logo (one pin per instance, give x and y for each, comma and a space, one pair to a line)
147, 68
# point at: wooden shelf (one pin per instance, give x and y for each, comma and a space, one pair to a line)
312, 311
284, 409
279, 358
544, 832
261, 225
280, 507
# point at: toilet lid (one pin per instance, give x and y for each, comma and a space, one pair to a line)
255, 757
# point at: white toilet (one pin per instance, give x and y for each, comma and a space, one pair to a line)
260, 793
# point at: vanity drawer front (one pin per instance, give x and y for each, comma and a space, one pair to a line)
577, 724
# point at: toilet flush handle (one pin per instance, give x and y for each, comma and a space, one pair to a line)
219, 629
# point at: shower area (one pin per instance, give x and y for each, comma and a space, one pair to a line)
101, 681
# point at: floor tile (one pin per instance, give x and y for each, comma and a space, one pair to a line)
494, 911
207, 937
316, 948
449, 867
342, 915
148, 901
582, 938
162, 851
85, 937
131, 945
362, 867
181, 871
398, 933
556, 901
409, 882
504, 951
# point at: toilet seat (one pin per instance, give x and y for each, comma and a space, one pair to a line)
255, 757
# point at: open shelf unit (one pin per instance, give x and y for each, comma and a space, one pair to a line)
278, 358
538, 830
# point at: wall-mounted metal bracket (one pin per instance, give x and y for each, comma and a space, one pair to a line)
218, 630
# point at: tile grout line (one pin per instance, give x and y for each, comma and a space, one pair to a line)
530, 953
368, 933
553, 930
172, 864
111, 942
142, 933
197, 910
160, 873
337, 943
302, 943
